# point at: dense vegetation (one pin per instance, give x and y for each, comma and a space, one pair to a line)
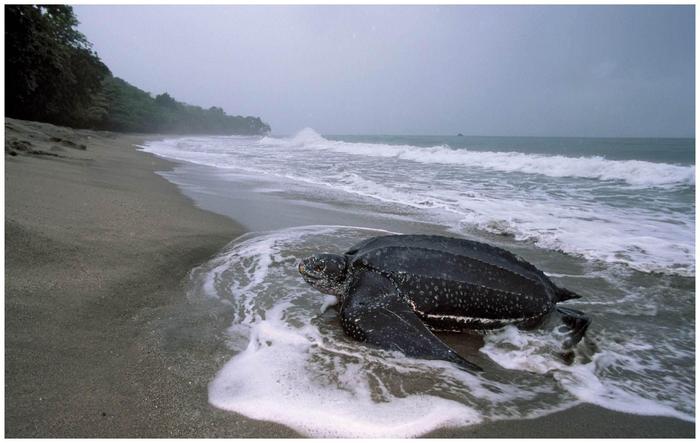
122, 107
51, 71
53, 75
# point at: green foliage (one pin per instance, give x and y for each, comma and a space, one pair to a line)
53, 75
51, 71
129, 109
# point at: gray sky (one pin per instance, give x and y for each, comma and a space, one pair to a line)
479, 70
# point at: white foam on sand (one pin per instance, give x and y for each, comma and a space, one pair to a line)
272, 380
293, 365
276, 376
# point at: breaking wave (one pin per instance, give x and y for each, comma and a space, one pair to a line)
649, 228
633, 172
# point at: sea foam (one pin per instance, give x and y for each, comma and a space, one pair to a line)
632, 212
293, 365
285, 370
633, 172
590, 381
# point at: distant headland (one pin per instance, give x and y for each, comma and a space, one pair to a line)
53, 75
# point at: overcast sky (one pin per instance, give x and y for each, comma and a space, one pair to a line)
479, 70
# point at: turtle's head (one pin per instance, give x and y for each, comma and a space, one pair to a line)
325, 272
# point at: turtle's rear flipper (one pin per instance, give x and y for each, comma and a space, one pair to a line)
376, 314
577, 322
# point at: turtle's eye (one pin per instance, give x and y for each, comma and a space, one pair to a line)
318, 268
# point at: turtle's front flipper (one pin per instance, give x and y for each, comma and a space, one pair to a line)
375, 313
577, 322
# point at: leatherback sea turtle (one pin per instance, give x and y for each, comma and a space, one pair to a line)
393, 290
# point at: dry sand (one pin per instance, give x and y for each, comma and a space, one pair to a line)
100, 337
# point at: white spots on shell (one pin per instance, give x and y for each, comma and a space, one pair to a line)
462, 303
470, 305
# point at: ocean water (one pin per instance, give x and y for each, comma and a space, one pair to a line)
611, 219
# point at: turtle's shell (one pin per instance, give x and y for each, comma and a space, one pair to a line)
458, 284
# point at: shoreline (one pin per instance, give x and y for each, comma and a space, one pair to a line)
101, 340
254, 197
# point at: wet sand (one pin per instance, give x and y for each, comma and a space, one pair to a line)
101, 339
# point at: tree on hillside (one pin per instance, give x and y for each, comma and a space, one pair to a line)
52, 74
51, 71
166, 101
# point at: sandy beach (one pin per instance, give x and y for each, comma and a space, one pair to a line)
101, 339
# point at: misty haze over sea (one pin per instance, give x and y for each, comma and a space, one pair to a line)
479, 70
